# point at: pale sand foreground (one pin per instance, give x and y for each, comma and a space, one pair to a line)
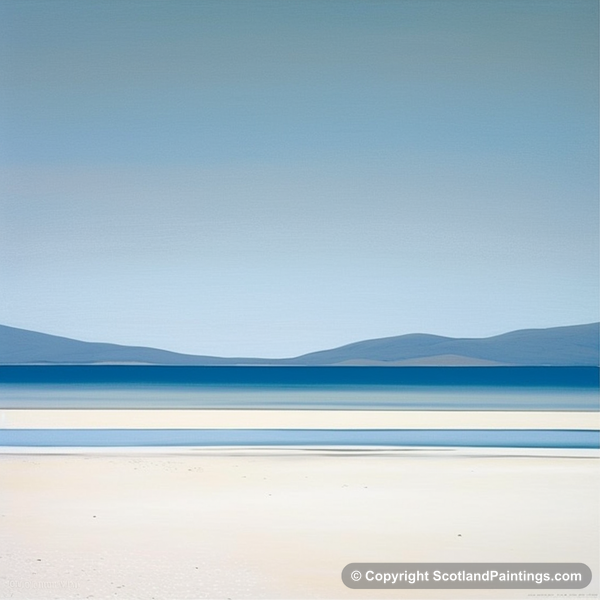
283, 523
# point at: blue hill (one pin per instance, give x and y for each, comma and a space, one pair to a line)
576, 345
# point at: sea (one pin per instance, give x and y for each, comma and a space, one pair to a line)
514, 389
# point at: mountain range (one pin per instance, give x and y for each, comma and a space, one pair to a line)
575, 345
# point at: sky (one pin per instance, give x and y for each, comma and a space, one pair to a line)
268, 178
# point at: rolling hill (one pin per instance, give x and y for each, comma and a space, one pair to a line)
576, 345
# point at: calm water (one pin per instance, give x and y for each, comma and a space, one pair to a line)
318, 389
174, 396
481, 438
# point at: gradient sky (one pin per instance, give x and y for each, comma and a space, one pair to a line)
268, 178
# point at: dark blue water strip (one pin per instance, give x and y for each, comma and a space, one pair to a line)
504, 438
305, 376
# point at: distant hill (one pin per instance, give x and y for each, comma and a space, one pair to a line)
20, 346
576, 345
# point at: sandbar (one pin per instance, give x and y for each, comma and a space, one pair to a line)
293, 419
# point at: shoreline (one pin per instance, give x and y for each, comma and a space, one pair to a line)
304, 450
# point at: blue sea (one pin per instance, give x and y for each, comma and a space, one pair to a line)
301, 388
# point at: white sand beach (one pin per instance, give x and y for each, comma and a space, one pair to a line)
243, 523
290, 419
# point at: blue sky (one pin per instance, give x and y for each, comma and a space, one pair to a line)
269, 178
